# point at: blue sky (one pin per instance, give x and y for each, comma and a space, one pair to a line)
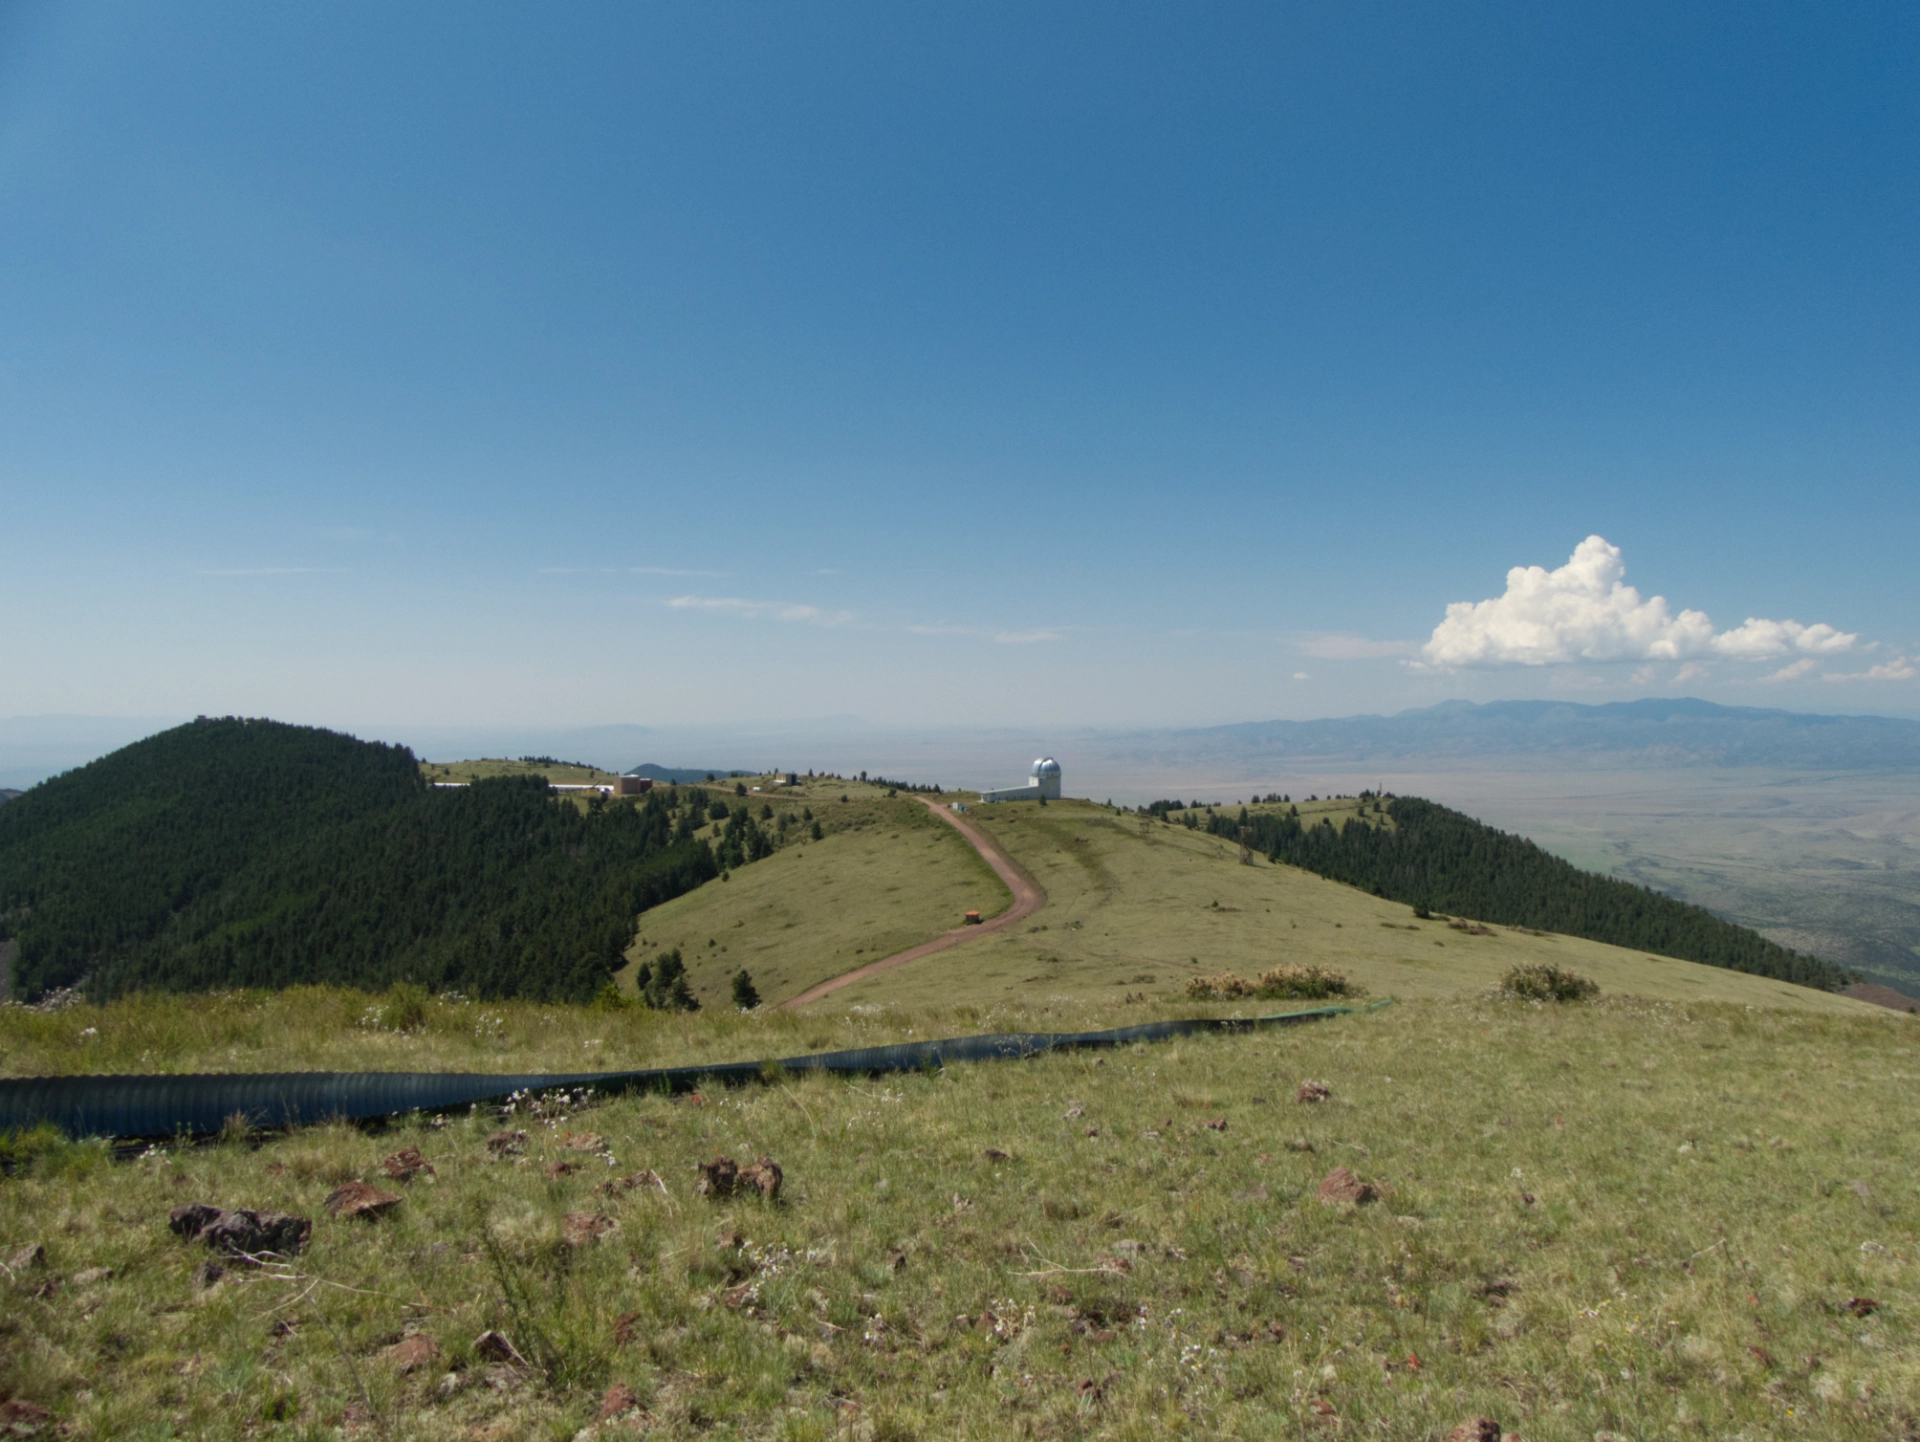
1095, 364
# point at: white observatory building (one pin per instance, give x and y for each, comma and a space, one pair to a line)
1043, 784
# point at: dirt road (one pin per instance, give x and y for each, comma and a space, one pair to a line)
1028, 897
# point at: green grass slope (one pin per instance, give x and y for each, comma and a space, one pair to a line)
1134, 907
886, 876
1621, 1219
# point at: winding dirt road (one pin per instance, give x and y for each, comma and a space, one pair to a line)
1028, 897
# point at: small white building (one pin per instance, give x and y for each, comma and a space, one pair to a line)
1043, 784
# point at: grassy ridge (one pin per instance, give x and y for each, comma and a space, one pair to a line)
1427, 855
1632, 1218
1136, 908
886, 876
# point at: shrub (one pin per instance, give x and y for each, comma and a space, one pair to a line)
611, 998
1307, 983
816, 833
1540, 982
1294, 983
1224, 987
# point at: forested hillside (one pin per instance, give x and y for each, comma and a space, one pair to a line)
251, 853
1430, 856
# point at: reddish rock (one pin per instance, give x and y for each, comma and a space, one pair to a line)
1341, 1185
1313, 1091
507, 1144
585, 1142
360, 1199
1858, 1306
764, 1177
557, 1170
406, 1164
585, 1228
1217, 1124
619, 1401
412, 1353
1475, 1429
633, 1181
717, 1178
625, 1328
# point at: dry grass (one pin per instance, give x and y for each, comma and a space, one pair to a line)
887, 876
1140, 908
1635, 1218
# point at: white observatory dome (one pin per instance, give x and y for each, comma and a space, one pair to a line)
1045, 766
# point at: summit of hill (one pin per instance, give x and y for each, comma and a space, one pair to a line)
249, 853
232, 852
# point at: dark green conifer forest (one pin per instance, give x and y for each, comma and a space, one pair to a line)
250, 853
1435, 858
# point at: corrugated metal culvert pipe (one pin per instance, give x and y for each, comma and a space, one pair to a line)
167, 1106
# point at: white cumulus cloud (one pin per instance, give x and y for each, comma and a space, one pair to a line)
1900, 668
1585, 611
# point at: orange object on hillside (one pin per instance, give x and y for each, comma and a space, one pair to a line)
973, 918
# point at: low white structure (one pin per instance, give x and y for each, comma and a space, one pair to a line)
1043, 784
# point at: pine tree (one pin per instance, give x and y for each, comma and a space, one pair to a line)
745, 996
663, 985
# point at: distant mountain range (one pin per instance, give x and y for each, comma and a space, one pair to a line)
683, 774
1653, 732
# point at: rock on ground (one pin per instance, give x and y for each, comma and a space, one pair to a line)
411, 1353
241, 1231
1341, 1185
360, 1199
